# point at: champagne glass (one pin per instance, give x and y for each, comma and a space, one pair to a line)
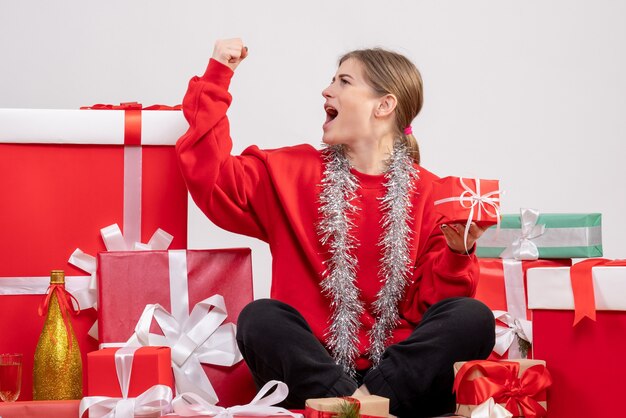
10, 376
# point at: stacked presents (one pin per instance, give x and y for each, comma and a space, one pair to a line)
97, 192
538, 275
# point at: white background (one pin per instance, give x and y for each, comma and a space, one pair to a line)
530, 92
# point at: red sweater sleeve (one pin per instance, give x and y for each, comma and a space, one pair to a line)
228, 189
439, 273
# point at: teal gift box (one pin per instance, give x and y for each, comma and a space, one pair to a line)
532, 235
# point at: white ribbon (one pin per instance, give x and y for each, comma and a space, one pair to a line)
490, 409
200, 338
505, 336
523, 248
157, 399
469, 199
190, 404
113, 241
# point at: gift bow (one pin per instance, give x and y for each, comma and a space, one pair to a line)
500, 381
581, 277
113, 241
190, 404
516, 328
469, 199
490, 409
199, 338
523, 248
66, 305
155, 400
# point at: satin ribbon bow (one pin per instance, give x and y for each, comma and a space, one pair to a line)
190, 404
506, 336
470, 199
156, 400
113, 241
66, 306
581, 277
490, 409
500, 381
523, 248
200, 338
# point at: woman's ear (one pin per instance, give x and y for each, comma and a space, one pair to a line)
386, 105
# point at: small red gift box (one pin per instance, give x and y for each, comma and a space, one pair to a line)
502, 287
585, 359
150, 366
65, 175
462, 200
130, 280
518, 385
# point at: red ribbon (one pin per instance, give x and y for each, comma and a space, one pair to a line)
132, 117
66, 306
581, 277
314, 413
500, 381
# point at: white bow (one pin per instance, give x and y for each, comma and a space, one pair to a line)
190, 404
505, 336
113, 241
157, 399
200, 338
523, 248
490, 409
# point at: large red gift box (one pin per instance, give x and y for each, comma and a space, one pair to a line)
502, 286
65, 175
586, 360
128, 281
462, 200
150, 366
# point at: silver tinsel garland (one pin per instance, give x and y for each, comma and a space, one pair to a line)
336, 208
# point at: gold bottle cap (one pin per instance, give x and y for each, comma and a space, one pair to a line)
57, 277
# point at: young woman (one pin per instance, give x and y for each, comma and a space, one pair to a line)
368, 293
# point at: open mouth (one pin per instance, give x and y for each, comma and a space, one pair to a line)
331, 114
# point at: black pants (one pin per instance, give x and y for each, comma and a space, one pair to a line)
415, 374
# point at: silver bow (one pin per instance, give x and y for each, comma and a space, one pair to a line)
515, 330
523, 248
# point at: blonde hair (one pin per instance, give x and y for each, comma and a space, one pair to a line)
388, 72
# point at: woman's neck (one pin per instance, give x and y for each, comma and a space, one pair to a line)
370, 158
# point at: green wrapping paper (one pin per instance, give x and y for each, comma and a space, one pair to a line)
531, 235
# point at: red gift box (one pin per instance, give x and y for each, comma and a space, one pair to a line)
63, 179
462, 200
128, 281
585, 360
502, 287
150, 366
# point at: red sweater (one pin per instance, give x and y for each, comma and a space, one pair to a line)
272, 195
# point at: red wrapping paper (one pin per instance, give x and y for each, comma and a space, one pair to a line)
128, 281
585, 359
151, 366
56, 198
491, 286
457, 204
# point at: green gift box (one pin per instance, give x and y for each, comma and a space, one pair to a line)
532, 235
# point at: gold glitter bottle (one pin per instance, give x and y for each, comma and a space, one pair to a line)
58, 368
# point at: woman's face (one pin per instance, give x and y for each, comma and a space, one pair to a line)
350, 106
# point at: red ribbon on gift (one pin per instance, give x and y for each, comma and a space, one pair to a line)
581, 277
132, 117
501, 382
314, 413
66, 306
